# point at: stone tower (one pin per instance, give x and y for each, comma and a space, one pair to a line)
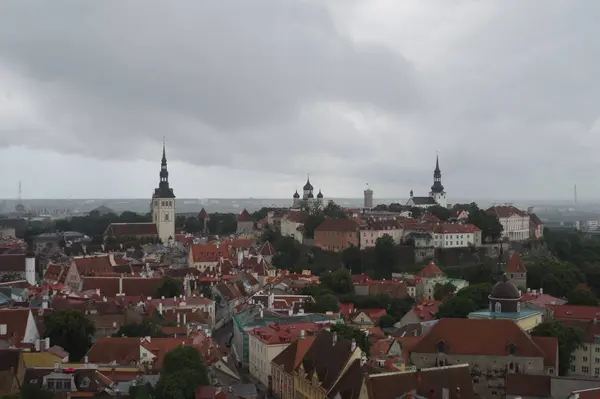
163, 204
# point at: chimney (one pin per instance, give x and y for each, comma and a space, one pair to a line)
541, 291
47, 342
45, 301
38, 346
261, 313
184, 319
290, 312
302, 334
240, 258
104, 299
121, 285
334, 338
259, 258
353, 345
178, 319
160, 308
85, 359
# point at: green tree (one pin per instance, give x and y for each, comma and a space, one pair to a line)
325, 303
334, 211
441, 291
352, 259
193, 225
481, 273
491, 228
349, 332
387, 321
183, 371
206, 292
386, 257
569, 339
582, 298
416, 212
398, 307
141, 391
456, 307
338, 282
146, 328
71, 330
222, 223
440, 212
557, 277
312, 222
478, 293
169, 288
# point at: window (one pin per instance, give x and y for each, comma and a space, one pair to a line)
572, 358
585, 369
166, 217
585, 347
597, 360
597, 350
585, 358
597, 371
3, 329
58, 384
498, 307
572, 368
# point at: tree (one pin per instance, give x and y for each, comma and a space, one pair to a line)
183, 371
349, 332
456, 307
352, 259
557, 277
491, 228
398, 307
569, 339
144, 329
385, 256
312, 222
582, 298
416, 212
482, 273
387, 321
325, 303
478, 293
334, 211
193, 225
206, 292
441, 291
71, 330
31, 391
339, 281
440, 212
141, 391
169, 288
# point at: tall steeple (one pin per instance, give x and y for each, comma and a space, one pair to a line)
163, 190
437, 178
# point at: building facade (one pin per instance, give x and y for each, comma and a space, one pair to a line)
337, 234
514, 221
368, 198
163, 204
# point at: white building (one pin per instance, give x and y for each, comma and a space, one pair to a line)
454, 235
292, 225
514, 221
437, 195
375, 229
163, 204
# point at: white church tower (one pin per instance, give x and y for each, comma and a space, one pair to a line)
437, 190
163, 204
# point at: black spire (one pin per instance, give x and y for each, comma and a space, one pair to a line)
437, 178
163, 190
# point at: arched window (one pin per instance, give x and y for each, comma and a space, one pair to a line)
518, 307
498, 307
166, 217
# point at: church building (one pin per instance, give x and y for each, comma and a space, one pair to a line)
163, 204
437, 195
308, 198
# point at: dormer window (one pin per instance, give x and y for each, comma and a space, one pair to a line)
441, 347
511, 349
85, 382
498, 307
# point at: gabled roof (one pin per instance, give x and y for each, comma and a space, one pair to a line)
93, 265
132, 286
535, 219
463, 336
423, 201
209, 252
506, 211
289, 359
16, 322
431, 270
12, 263
203, 214
515, 264
245, 217
267, 249
575, 312
341, 225
131, 229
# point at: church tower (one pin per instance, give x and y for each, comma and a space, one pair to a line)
437, 190
163, 204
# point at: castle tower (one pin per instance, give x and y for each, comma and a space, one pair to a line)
368, 198
437, 190
163, 204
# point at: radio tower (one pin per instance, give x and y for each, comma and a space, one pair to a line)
575, 194
20, 207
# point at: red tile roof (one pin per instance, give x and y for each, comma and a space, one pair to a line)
426, 310
573, 312
12, 263
292, 356
131, 229
202, 214
515, 264
296, 217
209, 252
455, 228
535, 219
541, 300
267, 249
93, 265
549, 345
279, 334
16, 323
506, 211
342, 225
463, 336
431, 270
244, 217
132, 286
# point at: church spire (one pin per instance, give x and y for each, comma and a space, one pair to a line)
163, 190
163, 162
437, 177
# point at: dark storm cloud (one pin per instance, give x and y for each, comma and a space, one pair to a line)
359, 91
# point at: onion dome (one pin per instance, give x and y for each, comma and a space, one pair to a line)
308, 186
310, 195
296, 195
320, 195
505, 290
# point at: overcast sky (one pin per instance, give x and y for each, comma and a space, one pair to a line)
253, 95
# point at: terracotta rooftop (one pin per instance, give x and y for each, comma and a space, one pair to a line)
12, 263
245, 217
455, 228
341, 225
574, 312
209, 252
16, 321
132, 286
289, 359
515, 264
431, 270
131, 229
93, 265
506, 211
